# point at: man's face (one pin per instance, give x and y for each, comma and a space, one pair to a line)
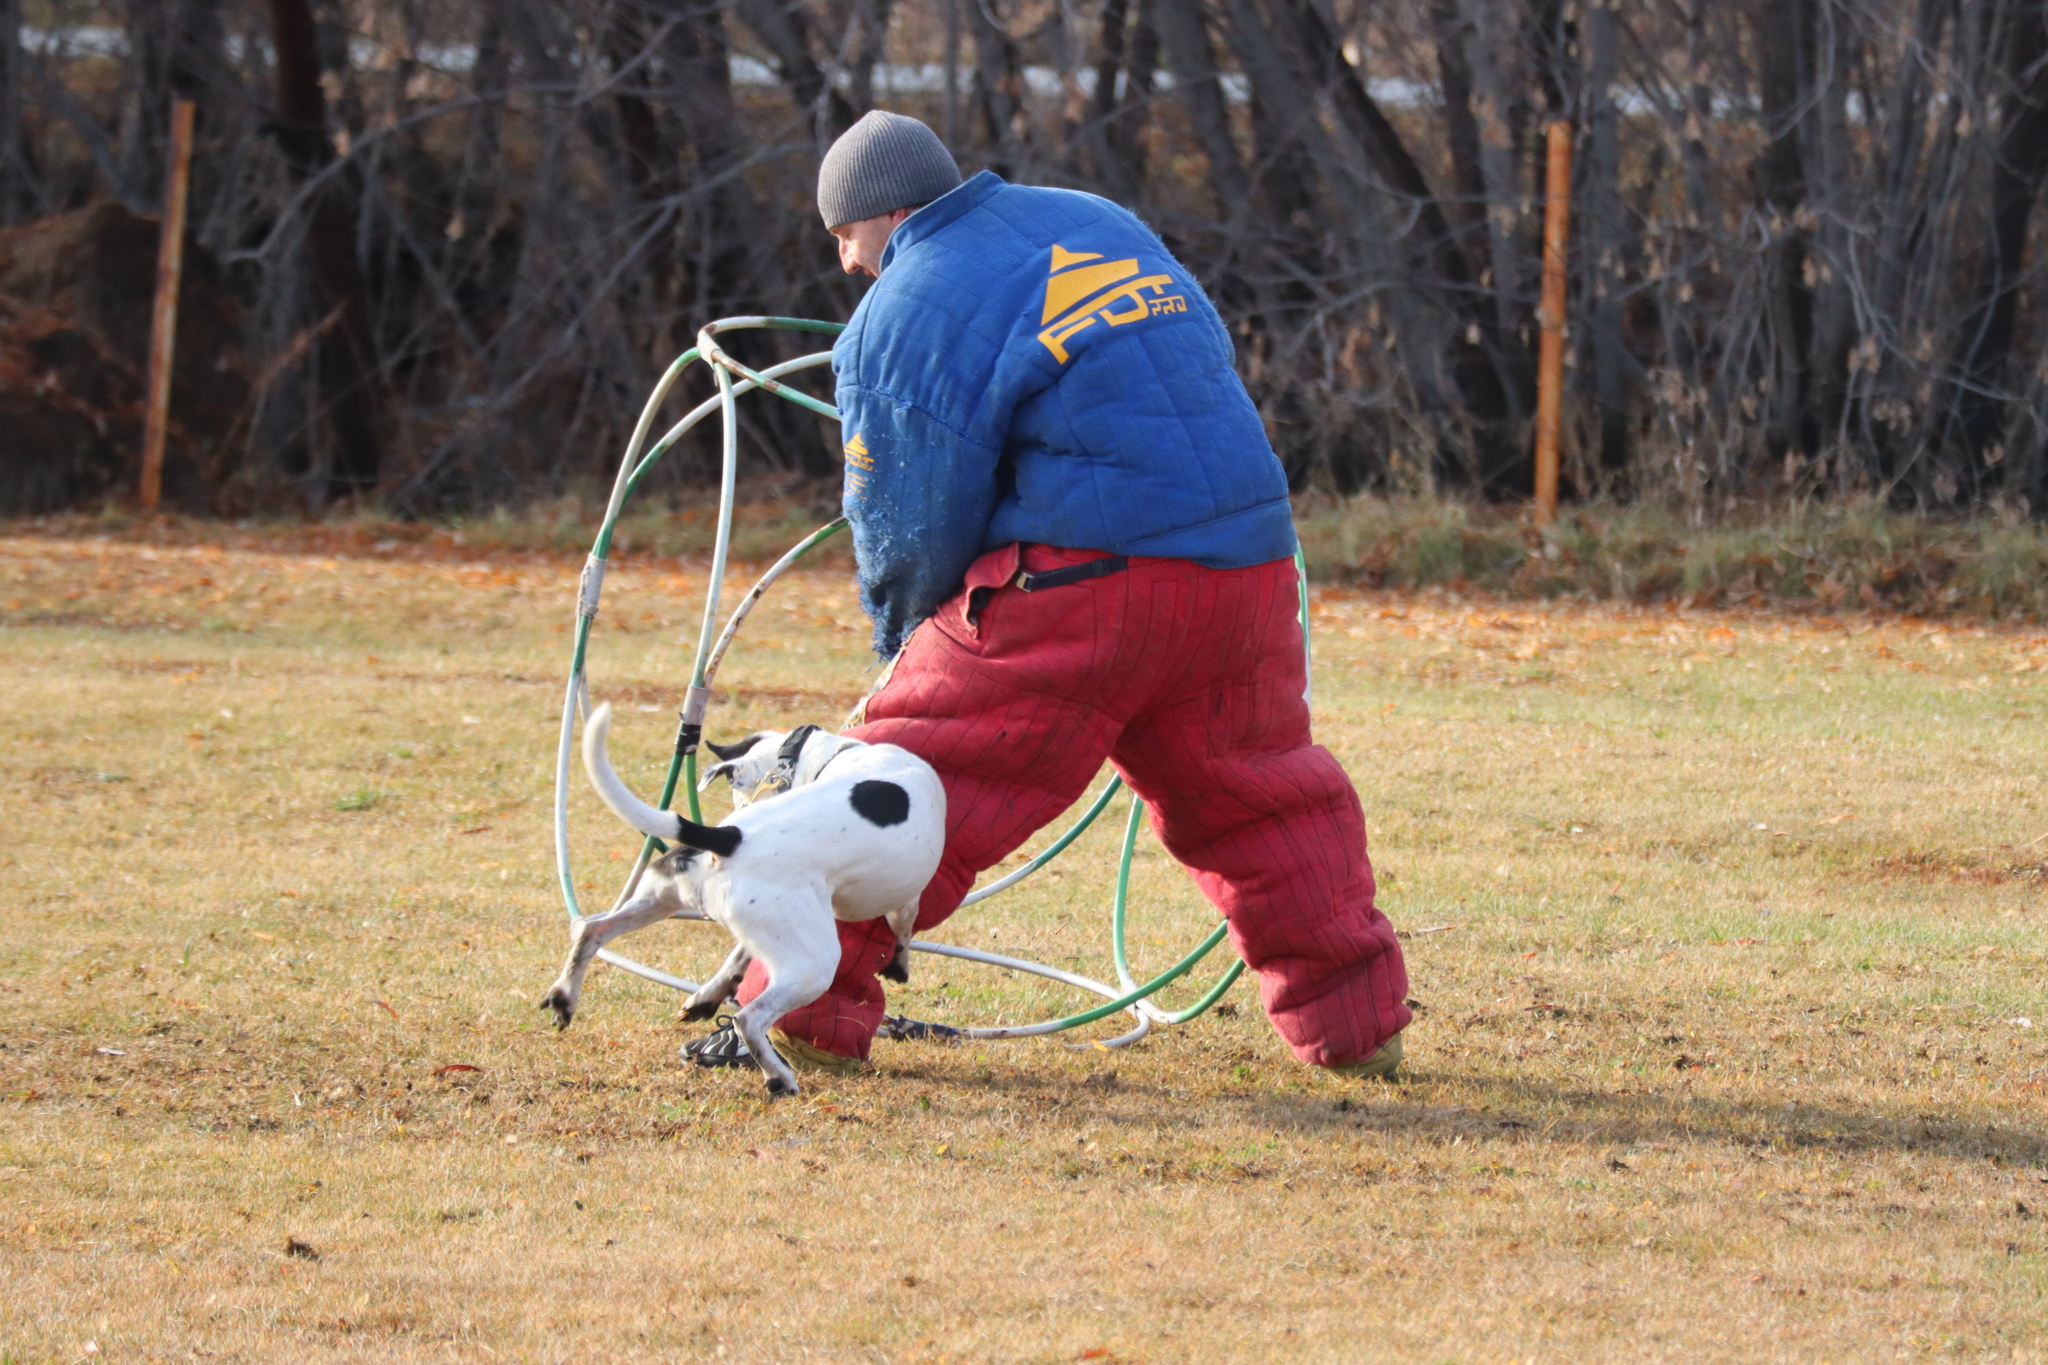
861, 242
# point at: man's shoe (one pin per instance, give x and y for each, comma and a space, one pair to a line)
1378, 1067
906, 1030
723, 1046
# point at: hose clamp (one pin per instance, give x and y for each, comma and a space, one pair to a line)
696, 701
588, 587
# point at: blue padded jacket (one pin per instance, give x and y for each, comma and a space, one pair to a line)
1033, 365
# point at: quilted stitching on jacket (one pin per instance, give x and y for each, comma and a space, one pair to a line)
1034, 366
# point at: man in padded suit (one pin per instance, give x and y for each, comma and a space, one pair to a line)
1075, 543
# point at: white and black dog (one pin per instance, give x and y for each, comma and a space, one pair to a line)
853, 832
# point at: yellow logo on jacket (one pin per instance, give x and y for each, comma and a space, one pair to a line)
857, 458
1078, 295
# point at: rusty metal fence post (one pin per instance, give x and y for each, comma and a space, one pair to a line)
1557, 211
163, 325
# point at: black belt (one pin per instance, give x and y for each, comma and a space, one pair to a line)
1074, 573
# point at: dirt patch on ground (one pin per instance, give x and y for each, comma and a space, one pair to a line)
1942, 867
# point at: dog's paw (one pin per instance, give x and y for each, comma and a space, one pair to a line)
558, 1000
781, 1089
898, 971
696, 1013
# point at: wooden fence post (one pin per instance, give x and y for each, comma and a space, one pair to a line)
1557, 212
163, 325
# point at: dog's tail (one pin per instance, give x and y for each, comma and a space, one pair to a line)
662, 824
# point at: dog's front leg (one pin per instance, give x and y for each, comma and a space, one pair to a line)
655, 900
904, 922
720, 987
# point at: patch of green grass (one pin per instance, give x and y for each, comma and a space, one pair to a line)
1807, 556
1828, 557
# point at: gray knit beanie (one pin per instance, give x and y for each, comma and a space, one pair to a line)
883, 163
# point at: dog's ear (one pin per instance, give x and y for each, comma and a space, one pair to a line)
732, 751
723, 770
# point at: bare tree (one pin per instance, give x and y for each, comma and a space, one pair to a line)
785, 27
2018, 165
471, 232
16, 176
1120, 105
1198, 81
998, 82
349, 361
1607, 235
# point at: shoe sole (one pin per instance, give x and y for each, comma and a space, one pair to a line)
1381, 1066
808, 1056
800, 1055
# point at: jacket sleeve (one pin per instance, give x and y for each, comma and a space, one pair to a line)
919, 496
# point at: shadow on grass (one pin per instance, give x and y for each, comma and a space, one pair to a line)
1635, 1117
1520, 1111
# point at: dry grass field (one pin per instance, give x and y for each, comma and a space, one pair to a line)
1728, 933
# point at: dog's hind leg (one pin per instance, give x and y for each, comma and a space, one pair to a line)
656, 900
720, 987
797, 940
786, 991
904, 922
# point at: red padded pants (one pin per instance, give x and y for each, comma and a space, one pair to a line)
1188, 679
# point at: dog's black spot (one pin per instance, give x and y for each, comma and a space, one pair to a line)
881, 803
723, 840
732, 751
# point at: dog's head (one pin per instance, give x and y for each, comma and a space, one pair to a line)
770, 762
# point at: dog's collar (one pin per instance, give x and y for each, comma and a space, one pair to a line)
782, 776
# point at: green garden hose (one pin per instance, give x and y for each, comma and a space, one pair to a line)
733, 379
